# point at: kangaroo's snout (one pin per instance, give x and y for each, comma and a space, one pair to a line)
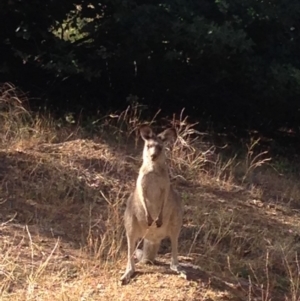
152, 150
153, 157
155, 152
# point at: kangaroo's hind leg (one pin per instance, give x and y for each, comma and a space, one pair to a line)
130, 269
132, 234
174, 231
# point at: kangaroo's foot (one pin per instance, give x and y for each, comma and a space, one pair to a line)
177, 268
125, 279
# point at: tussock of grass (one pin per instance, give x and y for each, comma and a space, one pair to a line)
62, 198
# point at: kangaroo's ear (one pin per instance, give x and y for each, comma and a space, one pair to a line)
146, 132
168, 135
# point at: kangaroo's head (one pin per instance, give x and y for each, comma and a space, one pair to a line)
154, 148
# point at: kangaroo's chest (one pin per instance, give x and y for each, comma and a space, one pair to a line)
155, 188
154, 185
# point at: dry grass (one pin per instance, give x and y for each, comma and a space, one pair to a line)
63, 196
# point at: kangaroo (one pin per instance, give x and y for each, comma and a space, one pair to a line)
154, 210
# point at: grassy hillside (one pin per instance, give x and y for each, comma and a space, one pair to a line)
63, 189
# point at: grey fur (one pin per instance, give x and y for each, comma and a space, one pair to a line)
154, 209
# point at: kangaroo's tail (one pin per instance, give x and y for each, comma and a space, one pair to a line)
149, 252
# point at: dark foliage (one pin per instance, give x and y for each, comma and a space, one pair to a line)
236, 62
